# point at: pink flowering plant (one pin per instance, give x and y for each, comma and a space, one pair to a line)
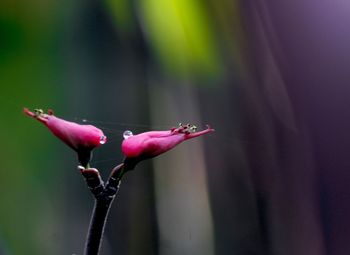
81, 138
151, 144
84, 138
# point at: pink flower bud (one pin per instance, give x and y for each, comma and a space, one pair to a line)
81, 138
151, 144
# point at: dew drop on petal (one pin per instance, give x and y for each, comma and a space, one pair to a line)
127, 134
103, 139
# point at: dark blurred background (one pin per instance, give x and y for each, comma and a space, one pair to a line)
272, 77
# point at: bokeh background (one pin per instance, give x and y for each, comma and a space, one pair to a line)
272, 77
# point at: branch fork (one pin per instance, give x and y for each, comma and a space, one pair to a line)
104, 195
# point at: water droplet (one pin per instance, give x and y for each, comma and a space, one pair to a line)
103, 139
84, 120
127, 134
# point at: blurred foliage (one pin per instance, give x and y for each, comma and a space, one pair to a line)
30, 73
122, 13
180, 33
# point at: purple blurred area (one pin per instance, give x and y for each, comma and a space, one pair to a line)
304, 46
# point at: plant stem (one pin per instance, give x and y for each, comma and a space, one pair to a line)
104, 196
97, 225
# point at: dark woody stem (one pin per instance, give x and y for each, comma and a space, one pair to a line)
104, 196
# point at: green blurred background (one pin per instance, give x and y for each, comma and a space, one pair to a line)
270, 77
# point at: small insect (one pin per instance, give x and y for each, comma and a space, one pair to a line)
188, 128
192, 128
38, 112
